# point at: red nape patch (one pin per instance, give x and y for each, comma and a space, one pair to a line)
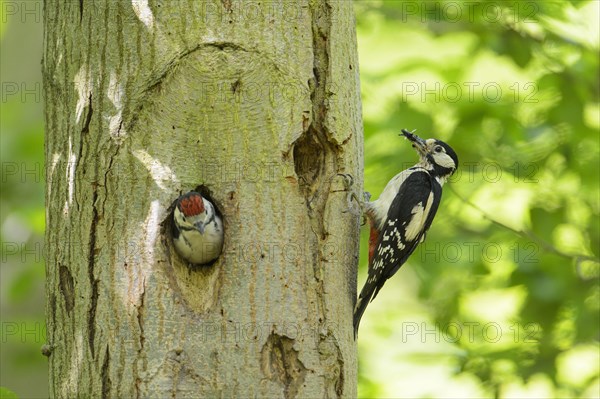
373, 237
191, 204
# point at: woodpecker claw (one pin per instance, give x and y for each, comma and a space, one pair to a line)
366, 196
352, 196
348, 181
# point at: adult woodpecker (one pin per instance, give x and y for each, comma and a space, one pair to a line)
403, 213
197, 229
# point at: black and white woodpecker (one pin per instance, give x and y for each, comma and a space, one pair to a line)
402, 214
197, 229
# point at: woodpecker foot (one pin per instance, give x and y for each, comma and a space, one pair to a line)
366, 196
348, 181
363, 211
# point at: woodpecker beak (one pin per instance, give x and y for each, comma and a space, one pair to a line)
417, 142
200, 227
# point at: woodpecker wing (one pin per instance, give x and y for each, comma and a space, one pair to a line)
408, 219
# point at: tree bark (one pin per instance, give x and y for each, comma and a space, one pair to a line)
257, 102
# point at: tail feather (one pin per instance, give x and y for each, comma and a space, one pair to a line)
369, 290
363, 300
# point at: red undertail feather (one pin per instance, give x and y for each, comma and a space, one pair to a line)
373, 237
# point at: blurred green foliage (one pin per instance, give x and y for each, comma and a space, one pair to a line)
502, 299
23, 370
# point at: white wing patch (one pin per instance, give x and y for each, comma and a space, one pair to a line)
417, 221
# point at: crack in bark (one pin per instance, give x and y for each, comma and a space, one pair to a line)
67, 288
91, 322
108, 170
140, 317
280, 363
88, 117
142, 337
105, 375
333, 360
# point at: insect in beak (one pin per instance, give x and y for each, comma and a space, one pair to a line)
417, 142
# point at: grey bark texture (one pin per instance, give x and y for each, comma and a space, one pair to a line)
257, 102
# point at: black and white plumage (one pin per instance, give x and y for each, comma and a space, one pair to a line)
403, 213
197, 229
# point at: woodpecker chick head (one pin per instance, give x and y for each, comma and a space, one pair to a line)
191, 211
197, 229
435, 155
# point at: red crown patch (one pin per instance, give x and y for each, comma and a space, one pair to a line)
191, 204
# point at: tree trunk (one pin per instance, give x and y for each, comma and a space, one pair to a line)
257, 102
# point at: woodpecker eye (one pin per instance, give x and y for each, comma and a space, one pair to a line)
439, 148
